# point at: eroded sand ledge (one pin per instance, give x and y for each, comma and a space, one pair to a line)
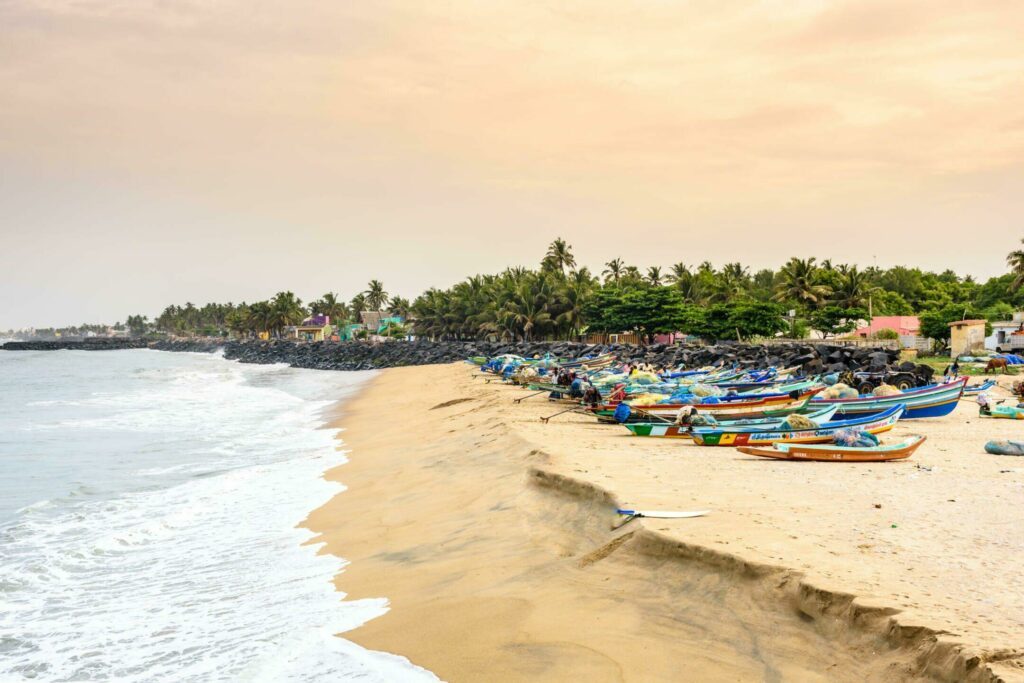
491, 536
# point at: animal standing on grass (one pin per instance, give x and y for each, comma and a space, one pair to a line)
995, 364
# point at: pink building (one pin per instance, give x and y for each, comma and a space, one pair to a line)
905, 325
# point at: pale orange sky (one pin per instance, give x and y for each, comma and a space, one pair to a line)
162, 151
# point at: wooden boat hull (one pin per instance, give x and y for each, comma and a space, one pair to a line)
832, 453
673, 431
771, 406
934, 401
875, 424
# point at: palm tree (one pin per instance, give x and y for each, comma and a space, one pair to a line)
559, 256
798, 281
855, 288
1015, 259
286, 310
679, 272
376, 297
330, 305
358, 305
614, 270
399, 306
654, 275
572, 300
732, 282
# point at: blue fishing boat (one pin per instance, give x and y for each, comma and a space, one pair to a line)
934, 400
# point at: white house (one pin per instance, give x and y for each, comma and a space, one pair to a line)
1003, 337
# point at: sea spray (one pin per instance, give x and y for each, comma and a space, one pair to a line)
149, 529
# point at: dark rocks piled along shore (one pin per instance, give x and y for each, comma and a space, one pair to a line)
356, 355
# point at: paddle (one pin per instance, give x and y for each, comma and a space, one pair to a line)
523, 398
574, 409
630, 515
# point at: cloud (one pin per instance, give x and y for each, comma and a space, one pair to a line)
590, 118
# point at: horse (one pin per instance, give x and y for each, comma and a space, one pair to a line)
995, 364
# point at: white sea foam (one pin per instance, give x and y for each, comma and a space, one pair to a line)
193, 568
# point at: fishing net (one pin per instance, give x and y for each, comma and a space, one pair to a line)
1004, 447
706, 390
799, 422
854, 437
840, 390
886, 390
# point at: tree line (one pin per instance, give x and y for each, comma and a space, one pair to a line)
561, 300
558, 300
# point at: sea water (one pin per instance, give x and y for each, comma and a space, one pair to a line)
149, 505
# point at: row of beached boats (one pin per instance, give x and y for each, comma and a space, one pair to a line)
748, 410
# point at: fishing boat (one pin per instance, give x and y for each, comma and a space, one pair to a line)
975, 389
670, 430
833, 453
1005, 413
756, 436
934, 400
593, 363
729, 408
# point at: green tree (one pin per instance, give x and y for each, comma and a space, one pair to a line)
137, 324
376, 297
329, 304
614, 270
559, 256
836, 320
798, 282
1015, 260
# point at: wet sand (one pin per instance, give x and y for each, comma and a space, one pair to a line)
491, 535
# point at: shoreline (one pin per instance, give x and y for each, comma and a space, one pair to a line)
496, 552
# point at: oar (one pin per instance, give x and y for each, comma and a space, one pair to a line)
574, 409
649, 414
628, 516
523, 398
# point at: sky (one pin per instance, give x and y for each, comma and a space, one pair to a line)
164, 151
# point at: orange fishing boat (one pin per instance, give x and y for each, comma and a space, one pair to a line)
833, 453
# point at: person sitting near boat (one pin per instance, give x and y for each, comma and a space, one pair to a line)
592, 397
984, 408
685, 415
576, 388
618, 393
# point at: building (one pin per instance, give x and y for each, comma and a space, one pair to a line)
316, 328
965, 336
377, 324
1007, 335
904, 325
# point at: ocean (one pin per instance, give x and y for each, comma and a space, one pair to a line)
149, 505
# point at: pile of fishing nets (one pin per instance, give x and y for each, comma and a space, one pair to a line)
799, 422
1004, 447
840, 390
854, 437
645, 399
886, 390
644, 378
524, 374
703, 421
706, 390
830, 379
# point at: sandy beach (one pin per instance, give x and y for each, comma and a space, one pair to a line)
491, 535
